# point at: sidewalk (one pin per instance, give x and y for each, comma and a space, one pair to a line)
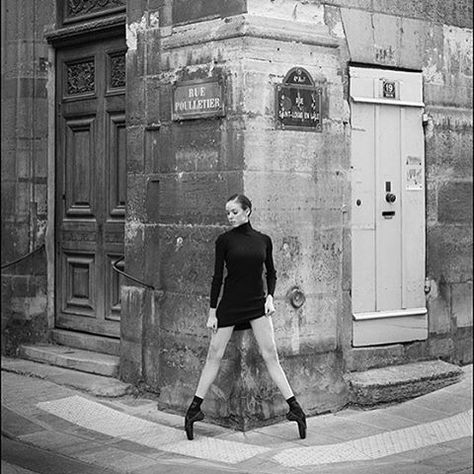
430, 434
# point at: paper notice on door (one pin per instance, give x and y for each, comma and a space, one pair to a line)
414, 173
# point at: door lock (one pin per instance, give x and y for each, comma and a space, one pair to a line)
390, 197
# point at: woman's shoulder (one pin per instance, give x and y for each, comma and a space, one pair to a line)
263, 236
223, 237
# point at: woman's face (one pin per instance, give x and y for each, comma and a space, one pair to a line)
236, 214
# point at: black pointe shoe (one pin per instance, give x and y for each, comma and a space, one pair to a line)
189, 420
300, 418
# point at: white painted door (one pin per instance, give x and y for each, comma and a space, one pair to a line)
388, 207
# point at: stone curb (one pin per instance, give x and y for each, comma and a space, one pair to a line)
398, 383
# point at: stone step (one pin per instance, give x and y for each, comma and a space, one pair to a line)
400, 382
87, 342
71, 358
97, 385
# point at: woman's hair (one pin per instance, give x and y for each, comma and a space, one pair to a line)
243, 200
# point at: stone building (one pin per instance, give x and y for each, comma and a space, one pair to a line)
126, 124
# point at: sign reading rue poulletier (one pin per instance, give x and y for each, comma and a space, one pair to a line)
198, 99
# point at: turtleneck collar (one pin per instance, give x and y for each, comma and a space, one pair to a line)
246, 227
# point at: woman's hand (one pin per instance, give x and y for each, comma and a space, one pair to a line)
269, 307
212, 320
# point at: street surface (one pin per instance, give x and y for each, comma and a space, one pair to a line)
56, 430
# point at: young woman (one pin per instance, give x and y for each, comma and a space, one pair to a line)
244, 251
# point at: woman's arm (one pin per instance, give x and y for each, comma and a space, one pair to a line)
270, 277
270, 268
218, 272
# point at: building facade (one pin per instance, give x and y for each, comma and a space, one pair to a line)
127, 124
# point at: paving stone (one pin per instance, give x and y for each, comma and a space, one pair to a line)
8, 468
44, 461
446, 405
342, 429
418, 414
54, 441
132, 447
386, 422
460, 444
381, 445
216, 450
456, 460
423, 453
377, 468
15, 425
115, 459
258, 438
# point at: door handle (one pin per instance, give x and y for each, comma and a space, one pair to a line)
390, 198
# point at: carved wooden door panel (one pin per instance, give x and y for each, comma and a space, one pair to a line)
91, 185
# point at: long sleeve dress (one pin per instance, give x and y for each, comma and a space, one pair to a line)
243, 251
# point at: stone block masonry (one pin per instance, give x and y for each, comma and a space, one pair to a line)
182, 171
24, 171
181, 174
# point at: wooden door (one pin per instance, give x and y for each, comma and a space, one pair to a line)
91, 185
388, 207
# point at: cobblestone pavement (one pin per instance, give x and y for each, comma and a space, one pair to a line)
430, 434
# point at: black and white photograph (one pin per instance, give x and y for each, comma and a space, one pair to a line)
237, 236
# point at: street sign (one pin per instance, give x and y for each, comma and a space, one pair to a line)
198, 99
298, 102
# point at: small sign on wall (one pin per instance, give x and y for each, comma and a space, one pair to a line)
389, 89
198, 99
414, 169
298, 102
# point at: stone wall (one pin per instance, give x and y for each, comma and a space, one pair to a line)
24, 170
448, 82
180, 174
452, 12
298, 181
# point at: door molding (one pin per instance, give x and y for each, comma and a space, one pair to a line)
389, 314
399, 103
51, 190
82, 32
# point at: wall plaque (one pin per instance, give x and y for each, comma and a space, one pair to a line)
198, 99
389, 89
298, 102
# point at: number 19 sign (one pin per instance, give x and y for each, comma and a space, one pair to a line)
198, 99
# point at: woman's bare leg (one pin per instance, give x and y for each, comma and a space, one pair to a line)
215, 353
263, 331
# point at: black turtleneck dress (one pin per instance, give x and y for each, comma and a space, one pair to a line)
244, 251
